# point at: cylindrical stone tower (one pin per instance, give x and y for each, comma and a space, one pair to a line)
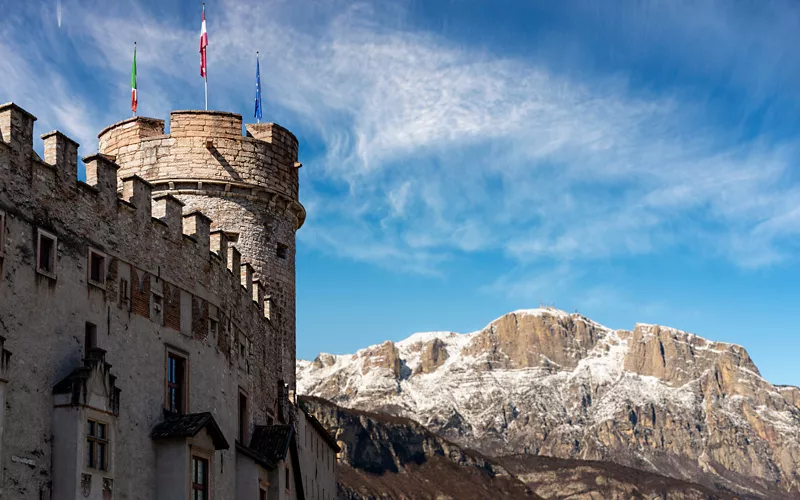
247, 185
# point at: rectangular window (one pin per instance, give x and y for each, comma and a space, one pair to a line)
176, 383
268, 307
2, 232
213, 321
262, 494
287, 479
199, 478
124, 291
96, 445
282, 251
97, 268
243, 418
157, 308
46, 253
90, 338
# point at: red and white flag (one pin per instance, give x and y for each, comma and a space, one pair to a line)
203, 45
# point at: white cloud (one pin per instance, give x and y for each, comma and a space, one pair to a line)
433, 148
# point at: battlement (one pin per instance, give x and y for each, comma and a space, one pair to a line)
122, 216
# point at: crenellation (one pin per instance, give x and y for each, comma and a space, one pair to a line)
218, 241
169, 210
198, 225
16, 128
258, 294
61, 152
102, 174
138, 192
235, 262
247, 277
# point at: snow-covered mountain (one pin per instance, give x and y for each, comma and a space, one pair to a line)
546, 382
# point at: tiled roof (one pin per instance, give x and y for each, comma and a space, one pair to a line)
272, 441
188, 425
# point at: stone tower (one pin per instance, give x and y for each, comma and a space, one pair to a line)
247, 184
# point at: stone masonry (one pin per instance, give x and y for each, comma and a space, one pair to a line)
178, 244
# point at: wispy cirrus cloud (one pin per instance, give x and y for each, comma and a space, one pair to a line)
431, 148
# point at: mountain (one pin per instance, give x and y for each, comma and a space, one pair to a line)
384, 456
545, 382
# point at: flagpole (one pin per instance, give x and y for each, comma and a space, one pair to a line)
137, 83
258, 119
205, 75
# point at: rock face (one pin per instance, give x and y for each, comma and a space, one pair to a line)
392, 457
544, 382
383, 455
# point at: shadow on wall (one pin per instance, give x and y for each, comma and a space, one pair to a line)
222, 161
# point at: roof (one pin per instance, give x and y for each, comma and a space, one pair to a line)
272, 441
189, 425
316, 424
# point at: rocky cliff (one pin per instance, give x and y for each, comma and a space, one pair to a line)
392, 457
397, 457
544, 382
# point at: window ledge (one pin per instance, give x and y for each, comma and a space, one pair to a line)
97, 284
47, 274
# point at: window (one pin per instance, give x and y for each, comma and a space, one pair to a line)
244, 353
90, 338
199, 478
2, 232
213, 320
243, 420
97, 268
282, 251
157, 308
268, 307
287, 478
262, 494
176, 383
96, 445
124, 291
46, 254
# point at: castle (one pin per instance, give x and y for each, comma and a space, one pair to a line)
147, 315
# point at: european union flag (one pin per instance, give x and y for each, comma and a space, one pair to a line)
257, 113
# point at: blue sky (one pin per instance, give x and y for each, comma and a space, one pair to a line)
635, 161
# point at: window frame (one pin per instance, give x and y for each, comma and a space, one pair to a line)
2, 233
213, 320
124, 291
91, 255
157, 306
204, 487
268, 305
50, 273
183, 407
94, 443
243, 417
89, 337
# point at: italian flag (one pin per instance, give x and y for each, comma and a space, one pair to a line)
134, 92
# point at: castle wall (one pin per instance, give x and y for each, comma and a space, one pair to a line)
43, 318
246, 184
